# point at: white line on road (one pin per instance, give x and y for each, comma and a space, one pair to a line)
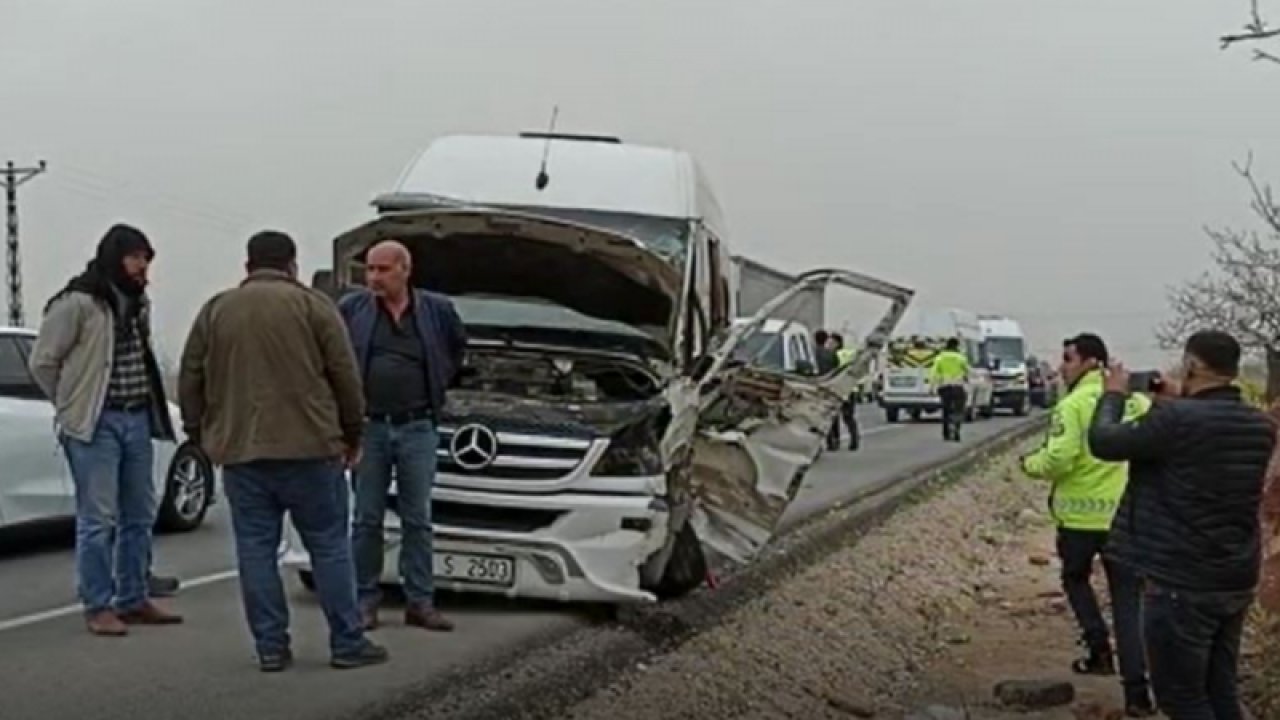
879, 429
60, 612
55, 613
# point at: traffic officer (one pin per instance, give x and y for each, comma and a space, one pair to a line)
948, 375
1084, 495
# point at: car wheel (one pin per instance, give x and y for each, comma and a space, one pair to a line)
686, 568
188, 491
891, 415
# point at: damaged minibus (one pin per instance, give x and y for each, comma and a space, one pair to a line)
603, 442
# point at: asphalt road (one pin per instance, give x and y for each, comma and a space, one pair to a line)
51, 668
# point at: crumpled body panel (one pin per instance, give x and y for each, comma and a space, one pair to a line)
757, 430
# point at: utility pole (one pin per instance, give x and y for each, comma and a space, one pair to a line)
13, 178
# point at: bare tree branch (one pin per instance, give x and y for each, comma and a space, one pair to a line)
1259, 55
1255, 30
1241, 294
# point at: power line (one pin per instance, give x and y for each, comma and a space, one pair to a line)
14, 177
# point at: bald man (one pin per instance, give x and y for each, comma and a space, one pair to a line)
409, 345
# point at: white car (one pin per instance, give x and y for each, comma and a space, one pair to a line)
36, 484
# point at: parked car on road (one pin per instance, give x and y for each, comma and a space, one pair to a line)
36, 483
1043, 384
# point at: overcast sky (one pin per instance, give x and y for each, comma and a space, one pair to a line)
1051, 160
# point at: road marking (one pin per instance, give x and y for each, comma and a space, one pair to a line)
880, 428
61, 612
55, 613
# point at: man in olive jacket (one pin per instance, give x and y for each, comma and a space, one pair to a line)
1189, 522
269, 389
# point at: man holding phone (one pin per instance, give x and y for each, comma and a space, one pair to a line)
1189, 522
1085, 493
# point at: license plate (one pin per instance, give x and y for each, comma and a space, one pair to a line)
475, 568
900, 382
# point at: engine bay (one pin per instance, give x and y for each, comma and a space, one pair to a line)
572, 378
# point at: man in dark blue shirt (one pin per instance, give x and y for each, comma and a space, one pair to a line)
409, 345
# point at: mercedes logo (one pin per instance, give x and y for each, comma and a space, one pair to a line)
474, 447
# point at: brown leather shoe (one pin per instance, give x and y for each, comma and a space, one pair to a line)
148, 613
369, 618
106, 623
427, 619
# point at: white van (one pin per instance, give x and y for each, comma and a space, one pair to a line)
920, 337
620, 456
1006, 350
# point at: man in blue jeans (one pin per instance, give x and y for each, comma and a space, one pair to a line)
269, 389
93, 358
1189, 521
409, 344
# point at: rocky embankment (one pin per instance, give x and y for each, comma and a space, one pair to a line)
950, 609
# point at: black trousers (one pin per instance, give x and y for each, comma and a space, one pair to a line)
1077, 550
1193, 642
952, 397
849, 414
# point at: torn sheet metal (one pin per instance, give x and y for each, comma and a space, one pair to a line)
758, 430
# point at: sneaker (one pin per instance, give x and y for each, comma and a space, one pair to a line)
160, 586
368, 654
274, 662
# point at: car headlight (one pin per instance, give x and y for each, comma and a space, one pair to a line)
632, 451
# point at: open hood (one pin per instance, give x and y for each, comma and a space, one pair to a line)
463, 252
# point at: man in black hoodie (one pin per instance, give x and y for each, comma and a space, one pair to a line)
1188, 523
93, 359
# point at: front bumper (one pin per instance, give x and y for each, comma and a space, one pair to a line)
914, 401
585, 547
1011, 397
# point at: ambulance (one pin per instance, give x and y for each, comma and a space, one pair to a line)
909, 358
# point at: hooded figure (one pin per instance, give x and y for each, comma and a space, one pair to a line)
93, 359
106, 279
109, 287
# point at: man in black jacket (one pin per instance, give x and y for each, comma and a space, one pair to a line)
1188, 523
827, 363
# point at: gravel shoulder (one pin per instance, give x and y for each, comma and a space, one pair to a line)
934, 607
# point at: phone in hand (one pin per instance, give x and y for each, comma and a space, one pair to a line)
1149, 381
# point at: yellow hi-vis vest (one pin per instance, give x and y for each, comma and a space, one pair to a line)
1086, 490
949, 368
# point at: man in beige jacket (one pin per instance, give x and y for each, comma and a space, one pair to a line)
269, 388
93, 359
